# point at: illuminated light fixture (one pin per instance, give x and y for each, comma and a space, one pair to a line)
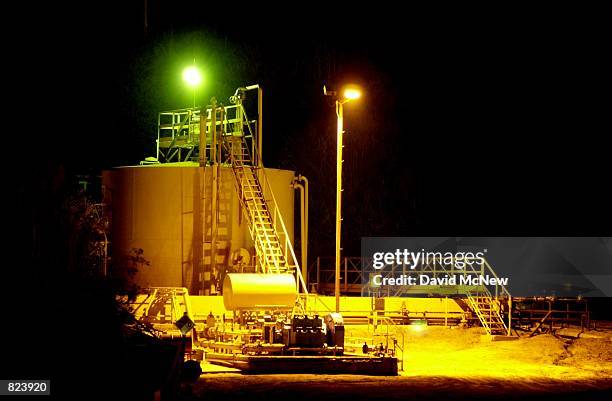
352, 93
192, 76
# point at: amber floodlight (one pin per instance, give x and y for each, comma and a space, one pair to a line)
352, 93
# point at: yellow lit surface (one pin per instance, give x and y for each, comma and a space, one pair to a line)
435, 307
451, 364
417, 327
257, 291
164, 210
456, 352
352, 93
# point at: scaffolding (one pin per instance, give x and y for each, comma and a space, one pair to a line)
491, 304
219, 135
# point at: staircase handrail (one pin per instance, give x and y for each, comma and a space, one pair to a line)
260, 175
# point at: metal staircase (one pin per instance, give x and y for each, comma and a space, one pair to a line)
489, 306
260, 220
487, 303
488, 311
273, 247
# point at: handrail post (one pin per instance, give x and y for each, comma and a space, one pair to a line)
509, 316
345, 276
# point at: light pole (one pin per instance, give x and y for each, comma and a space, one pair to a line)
350, 93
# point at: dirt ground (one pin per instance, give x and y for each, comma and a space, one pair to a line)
445, 363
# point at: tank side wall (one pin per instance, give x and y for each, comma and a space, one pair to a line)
165, 211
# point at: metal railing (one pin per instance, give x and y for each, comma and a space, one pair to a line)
354, 271
180, 129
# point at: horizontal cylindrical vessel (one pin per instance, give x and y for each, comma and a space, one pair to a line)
246, 291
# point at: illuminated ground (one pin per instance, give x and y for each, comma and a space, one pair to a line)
449, 364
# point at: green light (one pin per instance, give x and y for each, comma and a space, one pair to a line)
192, 76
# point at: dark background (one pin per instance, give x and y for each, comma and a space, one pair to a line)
474, 122
470, 125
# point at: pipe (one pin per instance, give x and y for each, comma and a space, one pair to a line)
202, 144
259, 122
260, 126
302, 233
303, 222
306, 208
214, 207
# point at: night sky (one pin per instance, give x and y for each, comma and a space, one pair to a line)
474, 122
469, 126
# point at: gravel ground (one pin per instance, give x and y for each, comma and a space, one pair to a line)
443, 363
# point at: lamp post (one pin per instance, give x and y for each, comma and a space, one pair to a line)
350, 93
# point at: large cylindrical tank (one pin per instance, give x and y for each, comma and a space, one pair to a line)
259, 291
165, 210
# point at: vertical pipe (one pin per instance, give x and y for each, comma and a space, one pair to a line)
213, 130
183, 234
221, 132
158, 133
305, 267
340, 114
303, 238
202, 147
260, 126
215, 185
509, 315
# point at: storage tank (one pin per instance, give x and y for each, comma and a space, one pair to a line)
165, 210
259, 291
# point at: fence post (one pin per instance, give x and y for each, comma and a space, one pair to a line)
446, 311
318, 272
345, 275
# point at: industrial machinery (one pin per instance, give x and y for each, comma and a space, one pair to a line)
265, 313
262, 334
265, 321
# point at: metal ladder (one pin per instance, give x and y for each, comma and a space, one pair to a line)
271, 255
487, 309
273, 246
